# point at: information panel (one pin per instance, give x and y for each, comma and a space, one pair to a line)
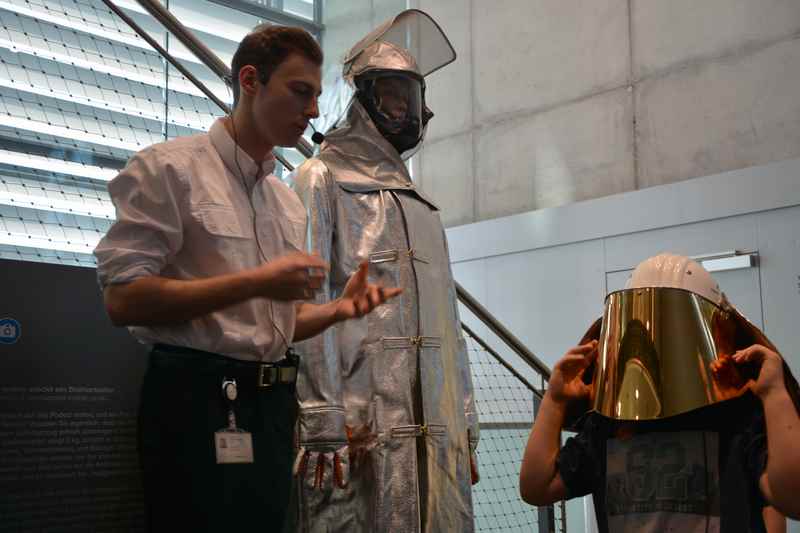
69, 386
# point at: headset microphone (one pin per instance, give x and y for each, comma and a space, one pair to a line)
317, 137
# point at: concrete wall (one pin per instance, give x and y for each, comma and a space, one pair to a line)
556, 101
347, 21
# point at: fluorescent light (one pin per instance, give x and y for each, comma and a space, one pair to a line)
728, 260
222, 32
47, 243
129, 74
57, 165
63, 20
77, 135
103, 210
26, 253
729, 263
97, 104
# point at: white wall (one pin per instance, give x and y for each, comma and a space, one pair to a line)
347, 21
545, 273
556, 101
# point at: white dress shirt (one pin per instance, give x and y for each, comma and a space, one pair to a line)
187, 209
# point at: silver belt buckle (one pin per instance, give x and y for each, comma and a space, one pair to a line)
262, 372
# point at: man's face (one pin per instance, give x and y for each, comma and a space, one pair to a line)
392, 96
283, 107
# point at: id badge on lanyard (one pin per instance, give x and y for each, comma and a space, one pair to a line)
233, 445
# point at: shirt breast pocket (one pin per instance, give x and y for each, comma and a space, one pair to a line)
220, 220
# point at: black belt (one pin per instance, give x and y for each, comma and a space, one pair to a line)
263, 375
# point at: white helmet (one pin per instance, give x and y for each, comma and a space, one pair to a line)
658, 340
677, 272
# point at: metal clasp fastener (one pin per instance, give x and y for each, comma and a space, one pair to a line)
262, 371
414, 256
229, 389
386, 256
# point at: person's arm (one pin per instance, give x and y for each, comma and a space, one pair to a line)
322, 434
155, 300
539, 480
774, 521
151, 198
780, 483
358, 299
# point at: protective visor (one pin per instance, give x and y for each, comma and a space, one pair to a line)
413, 31
656, 350
395, 101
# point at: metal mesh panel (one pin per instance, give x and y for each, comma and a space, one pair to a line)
80, 92
505, 407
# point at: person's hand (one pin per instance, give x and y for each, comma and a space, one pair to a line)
295, 276
360, 297
770, 368
727, 379
566, 382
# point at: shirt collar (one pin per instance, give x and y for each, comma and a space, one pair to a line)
231, 155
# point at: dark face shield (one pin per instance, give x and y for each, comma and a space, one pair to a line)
395, 103
656, 347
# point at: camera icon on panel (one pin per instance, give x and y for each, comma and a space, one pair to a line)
10, 331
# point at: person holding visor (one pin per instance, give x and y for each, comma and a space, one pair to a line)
687, 416
205, 263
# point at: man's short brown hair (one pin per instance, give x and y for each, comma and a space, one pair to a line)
266, 47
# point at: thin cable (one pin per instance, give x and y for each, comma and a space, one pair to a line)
708, 497
270, 315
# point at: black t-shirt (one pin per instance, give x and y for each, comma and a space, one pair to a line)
695, 472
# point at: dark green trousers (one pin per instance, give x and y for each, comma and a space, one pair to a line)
181, 408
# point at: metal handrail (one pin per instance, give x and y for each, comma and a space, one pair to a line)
501, 331
206, 56
165, 54
185, 36
483, 344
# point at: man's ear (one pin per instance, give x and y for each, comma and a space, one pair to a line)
248, 78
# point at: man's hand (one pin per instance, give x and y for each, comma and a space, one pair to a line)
770, 368
566, 384
295, 276
360, 297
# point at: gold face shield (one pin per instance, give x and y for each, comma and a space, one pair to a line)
665, 351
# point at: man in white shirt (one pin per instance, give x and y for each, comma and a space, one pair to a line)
205, 263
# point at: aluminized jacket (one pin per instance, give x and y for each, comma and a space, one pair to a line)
398, 380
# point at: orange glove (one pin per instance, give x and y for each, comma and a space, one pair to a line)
325, 468
473, 457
